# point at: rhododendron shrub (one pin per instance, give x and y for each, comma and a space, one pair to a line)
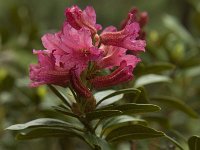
83, 58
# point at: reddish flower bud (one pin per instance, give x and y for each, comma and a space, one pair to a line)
78, 86
120, 75
132, 17
135, 16
86, 18
143, 19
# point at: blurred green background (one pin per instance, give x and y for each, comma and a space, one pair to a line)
173, 36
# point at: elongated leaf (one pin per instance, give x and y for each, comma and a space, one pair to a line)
171, 23
161, 120
43, 122
158, 67
102, 114
175, 103
155, 68
142, 98
45, 132
194, 143
174, 141
100, 95
132, 108
38, 123
150, 79
114, 124
65, 112
96, 142
62, 97
190, 62
121, 119
134, 132
123, 91
193, 72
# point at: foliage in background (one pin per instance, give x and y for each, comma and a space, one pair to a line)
169, 74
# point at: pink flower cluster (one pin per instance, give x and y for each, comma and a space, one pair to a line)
69, 51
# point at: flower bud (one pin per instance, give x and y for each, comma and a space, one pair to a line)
120, 75
78, 86
132, 17
143, 19
79, 19
135, 16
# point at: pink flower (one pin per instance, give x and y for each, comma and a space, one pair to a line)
86, 18
120, 75
69, 51
72, 47
113, 56
126, 38
65, 50
46, 71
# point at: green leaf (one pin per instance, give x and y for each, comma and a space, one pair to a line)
96, 142
175, 103
45, 132
132, 108
119, 121
150, 79
190, 62
158, 67
119, 92
102, 114
194, 143
64, 111
142, 98
43, 122
62, 97
38, 123
193, 72
161, 120
174, 141
132, 132
100, 95
155, 68
172, 24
